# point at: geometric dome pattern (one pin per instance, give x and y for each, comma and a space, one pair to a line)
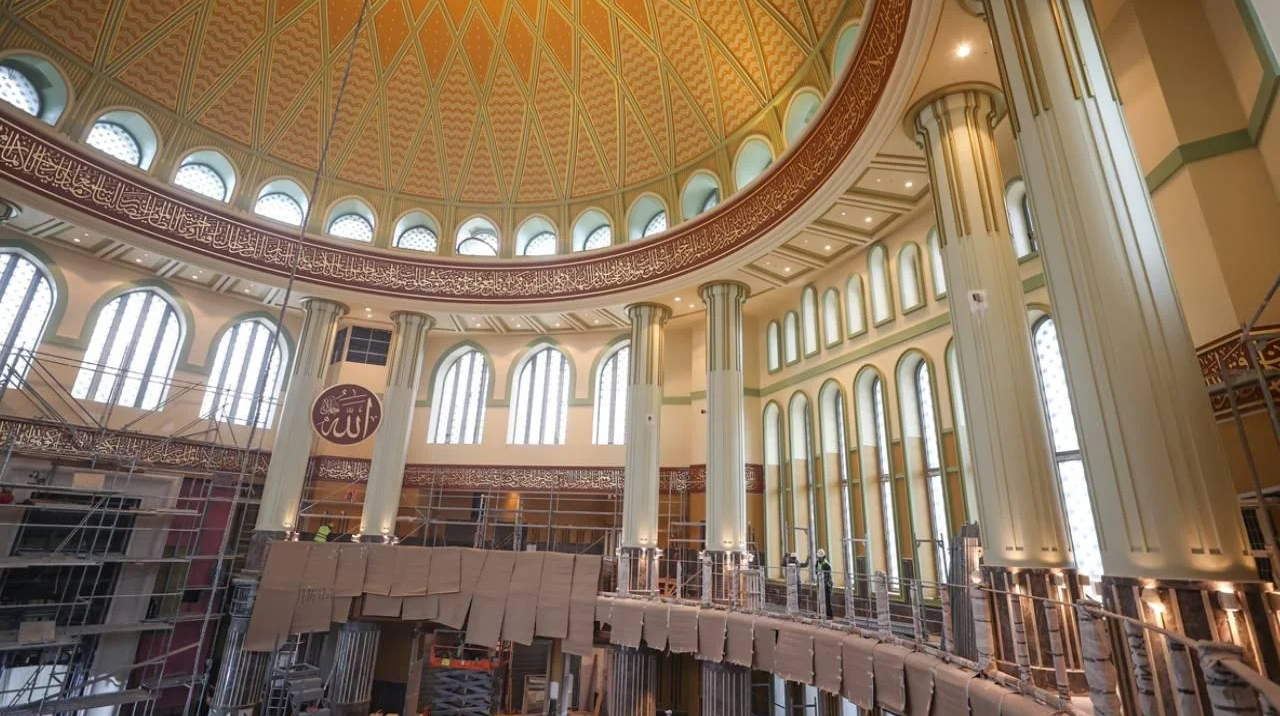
520, 102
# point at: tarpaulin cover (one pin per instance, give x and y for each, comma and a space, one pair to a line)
859, 671
313, 612
920, 683
712, 624
794, 657
682, 629
985, 697
951, 690
582, 605
739, 639
891, 677
655, 625
413, 570
766, 640
827, 659
376, 605
489, 603
352, 562
628, 620
522, 598
454, 606
554, 591
380, 570
446, 571
277, 595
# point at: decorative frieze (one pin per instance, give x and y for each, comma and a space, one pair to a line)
1230, 353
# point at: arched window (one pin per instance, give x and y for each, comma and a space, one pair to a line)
831, 317
611, 397
936, 269
804, 105
1021, 226
26, 300
201, 179
656, 225
1029, 218
712, 200
855, 315
928, 418
17, 89
885, 476
791, 337
773, 347
237, 391
279, 206
777, 519
418, 238
457, 415
541, 244
1066, 448
881, 298
910, 290
845, 43
541, 399
132, 351
803, 502
115, 141
837, 483
351, 226
480, 243
754, 157
962, 426
600, 238
809, 316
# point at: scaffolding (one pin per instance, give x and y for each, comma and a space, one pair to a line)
120, 530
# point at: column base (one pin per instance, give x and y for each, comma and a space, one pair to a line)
1030, 613
638, 569
729, 578
243, 674
633, 691
726, 689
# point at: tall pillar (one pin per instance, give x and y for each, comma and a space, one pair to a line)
633, 690
1019, 515
726, 418
242, 675
386, 473
637, 563
1157, 474
353, 663
726, 689
1169, 525
291, 449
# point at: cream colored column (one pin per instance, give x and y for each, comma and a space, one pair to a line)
726, 418
644, 419
1019, 512
386, 473
292, 446
1158, 478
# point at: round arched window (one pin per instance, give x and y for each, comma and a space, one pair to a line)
201, 179
600, 238
114, 140
280, 207
479, 243
17, 89
417, 238
351, 226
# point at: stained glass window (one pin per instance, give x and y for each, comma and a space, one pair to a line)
1066, 448
237, 390
480, 243
541, 400
353, 227
202, 179
599, 238
888, 510
611, 398
132, 351
280, 207
541, 244
18, 90
458, 407
656, 225
417, 238
115, 141
26, 299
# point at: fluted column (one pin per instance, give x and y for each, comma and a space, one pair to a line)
633, 691
1157, 474
726, 689
1019, 513
386, 473
643, 428
726, 417
292, 447
353, 663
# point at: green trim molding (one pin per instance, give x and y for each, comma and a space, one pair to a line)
1240, 139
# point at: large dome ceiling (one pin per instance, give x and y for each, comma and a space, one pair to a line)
461, 102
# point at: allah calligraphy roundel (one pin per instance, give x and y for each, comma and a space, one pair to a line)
346, 414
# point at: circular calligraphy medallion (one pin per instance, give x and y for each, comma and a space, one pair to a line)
346, 414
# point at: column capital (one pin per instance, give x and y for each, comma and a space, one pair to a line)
656, 312
402, 319
958, 98
325, 305
709, 288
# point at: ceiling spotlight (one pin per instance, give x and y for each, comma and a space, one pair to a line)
596, 321
678, 299
517, 325
963, 50
367, 308
786, 269
193, 276
827, 247
76, 239
246, 290
868, 219
138, 261
843, 213
557, 325
909, 184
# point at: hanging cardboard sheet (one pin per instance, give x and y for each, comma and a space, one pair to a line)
376, 605
628, 620
985, 697
341, 609
277, 595
489, 603
582, 604
828, 651
352, 561
766, 640
891, 677
920, 683
1019, 705
604, 610
712, 625
314, 608
858, 663
554, 591
446, 571
655, 625
951, 690
794, 657
380, 569
682, 629
420, 608
454, 606
522, 598
413, 568
739, 639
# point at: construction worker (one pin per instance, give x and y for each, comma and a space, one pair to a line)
823, 567
322, 534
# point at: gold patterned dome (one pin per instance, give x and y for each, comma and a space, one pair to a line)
455, 103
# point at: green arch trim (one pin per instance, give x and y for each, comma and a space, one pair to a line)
81, 342
531, 348
446, 358
605, 351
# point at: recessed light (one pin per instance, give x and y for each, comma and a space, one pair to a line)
557, 325
843, 213
678, 299
878, 180
909, 184
137, 261
787, 269
367, 308
963, 50
868, 219
194, 276
596, 321
246, 290
827, 247
77, 239
517, 325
